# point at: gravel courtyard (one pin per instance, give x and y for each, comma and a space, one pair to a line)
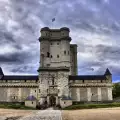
86, 114
92, 114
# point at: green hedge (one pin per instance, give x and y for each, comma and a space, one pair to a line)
90, 106
15, 106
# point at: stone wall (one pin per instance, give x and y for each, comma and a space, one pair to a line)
3, 93
91, 93
16, 94
104, 93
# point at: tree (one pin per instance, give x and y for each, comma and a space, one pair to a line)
116, 90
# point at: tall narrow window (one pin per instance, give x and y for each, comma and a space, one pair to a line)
65, 52
83, 81
39, 90
48, 54
52, 80
57, 56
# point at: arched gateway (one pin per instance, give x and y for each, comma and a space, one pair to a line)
52, 100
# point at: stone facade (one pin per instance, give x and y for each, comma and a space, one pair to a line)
57, 78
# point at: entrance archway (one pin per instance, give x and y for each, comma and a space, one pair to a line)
52, 100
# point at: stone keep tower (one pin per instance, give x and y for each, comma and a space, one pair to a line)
55, 65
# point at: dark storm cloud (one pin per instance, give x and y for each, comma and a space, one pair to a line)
14, 58
99, 17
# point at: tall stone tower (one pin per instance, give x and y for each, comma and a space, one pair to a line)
55, 65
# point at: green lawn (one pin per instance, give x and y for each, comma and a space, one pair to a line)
90, 106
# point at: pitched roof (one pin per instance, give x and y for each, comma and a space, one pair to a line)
87, 77
31, 97
107, 72
1, 72
66, 98
18, 77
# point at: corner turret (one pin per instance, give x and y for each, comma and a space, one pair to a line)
1, 73
108, 75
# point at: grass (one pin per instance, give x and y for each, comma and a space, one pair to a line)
16, 106
90, 106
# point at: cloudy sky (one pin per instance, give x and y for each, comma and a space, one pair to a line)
94, 25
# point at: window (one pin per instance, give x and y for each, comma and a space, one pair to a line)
46, 34
57, 56
48, 54
101, 81
65, 52
35, 90
51, 43
32, 102
64, 102
51, 56
57, 43
83, 81
39, 90
25, 80
14, 97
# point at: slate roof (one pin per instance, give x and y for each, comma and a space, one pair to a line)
66, 98
1, 72
18, 77
87, 77
31, 97
107, 72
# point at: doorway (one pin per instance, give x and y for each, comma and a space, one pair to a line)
52, 101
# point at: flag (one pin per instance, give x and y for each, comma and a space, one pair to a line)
53, 19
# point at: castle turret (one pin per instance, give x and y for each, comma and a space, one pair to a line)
44, 47
1, 73
108, 75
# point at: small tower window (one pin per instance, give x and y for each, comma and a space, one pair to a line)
51, 56
48, 54
57, 43
51, 43
25, 80
57, 56
32, 102
83, 81
35, 90
39, 90
101, 81
65, 52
